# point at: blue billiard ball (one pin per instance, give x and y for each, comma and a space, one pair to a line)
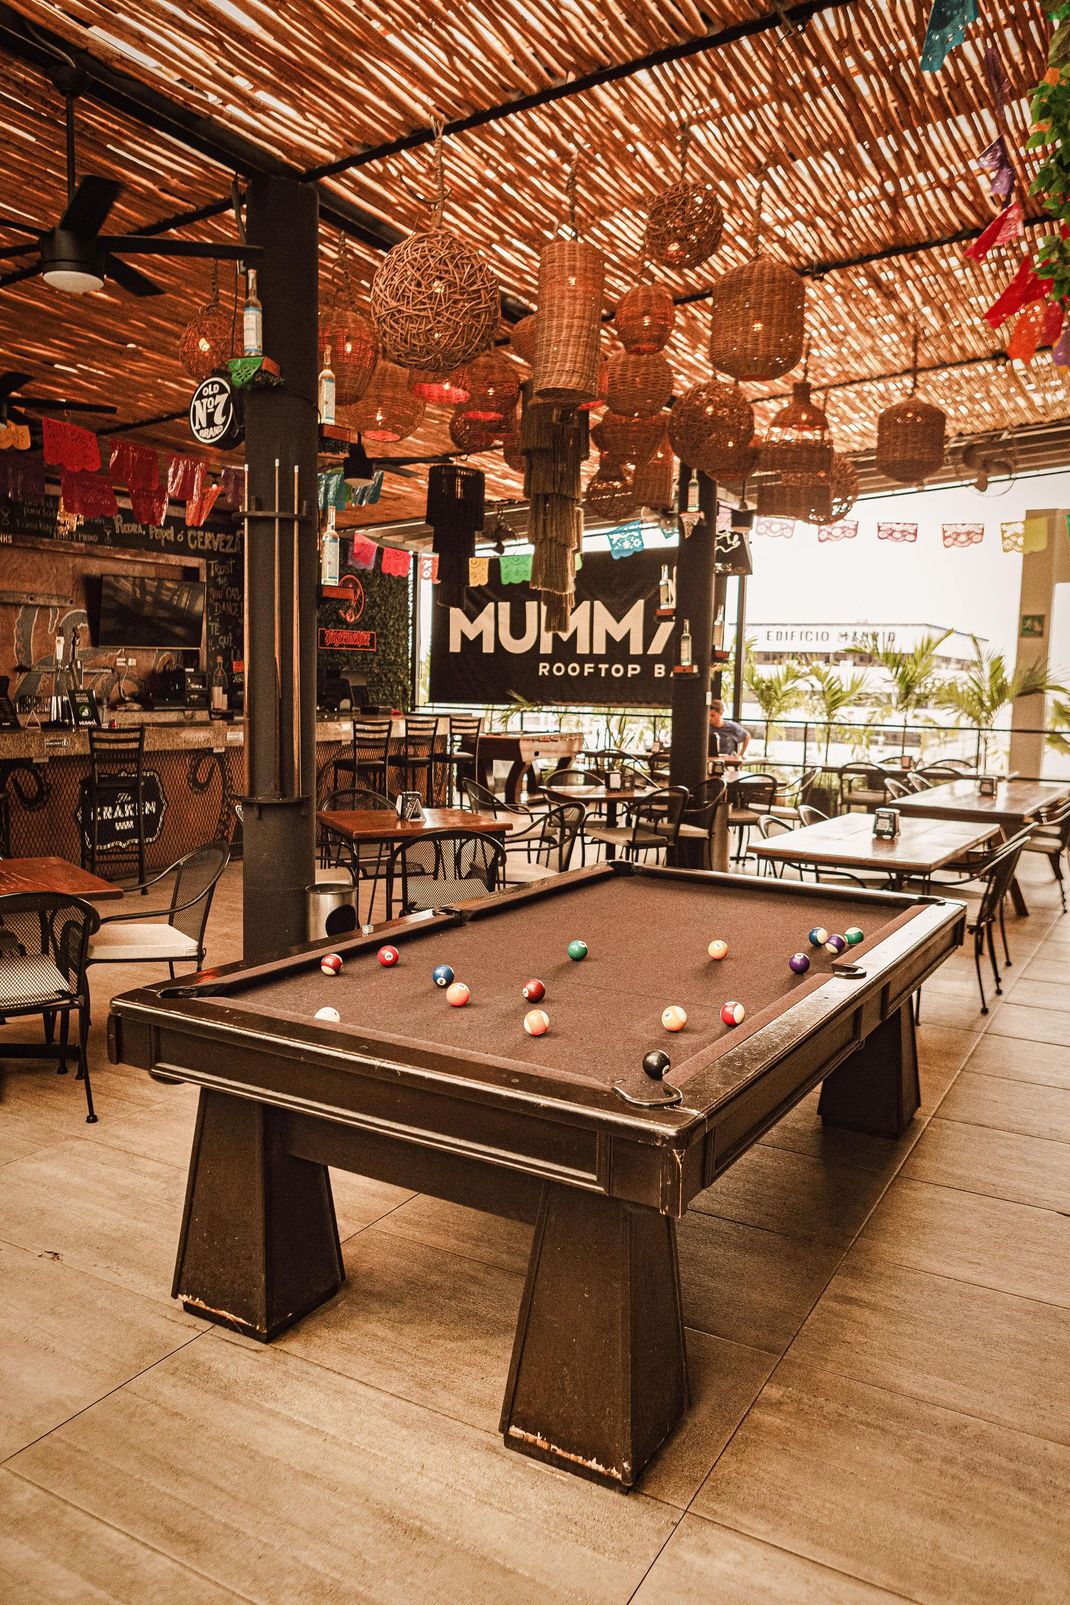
818, 936
799, 963
442, 975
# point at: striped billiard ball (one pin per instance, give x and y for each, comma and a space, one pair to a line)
330, 964
733, 1013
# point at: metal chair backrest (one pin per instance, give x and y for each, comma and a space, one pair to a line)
798, 792
350, 799
810, 816
115, 752
769, 825
938, 774
756, 792
51, 924
916, 782
997, 873
662, 812
561, 825
896, 788
420, 733
1055, 817
429, 869
371, 741
196, 876
705, 799
566, 779
465, 731
481, 801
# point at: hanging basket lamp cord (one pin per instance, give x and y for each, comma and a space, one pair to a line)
571, 183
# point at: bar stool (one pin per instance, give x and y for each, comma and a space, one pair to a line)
418, 756
116, 775
369, 757
460, 756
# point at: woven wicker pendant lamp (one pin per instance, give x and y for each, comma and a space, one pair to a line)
495, 386
644, 319
685, 222
714, 422
910, 435
350, 334
388, 410
652, 483
638, 386
449, 389
609, 493
522, 339
797, 457
471, 434
568, 326
629, 440
434, 301
758, 315
207, 341
844, 487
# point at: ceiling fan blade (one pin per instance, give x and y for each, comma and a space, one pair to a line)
88, 208
128, 278
20, 273
10, 382
46, 404
18, 250
153, 245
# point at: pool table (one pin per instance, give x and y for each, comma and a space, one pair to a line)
564, 1130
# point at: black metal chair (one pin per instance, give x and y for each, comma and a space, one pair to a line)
996, 877
173, 934
700, 817
116, 786
546, 849
459, 758
862, 786
43, 971
479, 800
750, 796
809, 815
442, 868
369, 757
419, 756
770, 825
653, 824
1051, 837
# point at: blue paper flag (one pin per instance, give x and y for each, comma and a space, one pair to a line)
948, 22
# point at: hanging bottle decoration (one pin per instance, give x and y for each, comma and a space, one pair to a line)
910, 435
455, 509
685, 222
252, 318
569, 322
208, 340
758, 314
325, 390
434, 301
350, 334
645, 318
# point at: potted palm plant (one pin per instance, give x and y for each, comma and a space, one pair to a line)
982, 691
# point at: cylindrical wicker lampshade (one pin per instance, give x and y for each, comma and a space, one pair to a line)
599, 400
452, 389
435, 303
628, 440
684, 225
495, 386
652, 485
711, 420
388, 409
207, 341
638, 386
644, 319
522, 339
757, 320
354, 351
910, 441
469, 434
569, 322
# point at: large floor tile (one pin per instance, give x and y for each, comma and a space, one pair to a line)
1035, 992
795, 1193
288, 1482
491, 1239
1045, 1062
802, 1131
950, 1343
1026, 1023
920, 1500
1000, 1164
1030, 1108
1047, 966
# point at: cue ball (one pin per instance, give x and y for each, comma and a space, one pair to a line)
836, 944
536, 1022
388, 956
718, 949
330, 964
533, 991
733, 1013
328, 1014
799, 963
674, 1018
442, 975
853, 935
818, 936
655, 1063
577, 950
457, 995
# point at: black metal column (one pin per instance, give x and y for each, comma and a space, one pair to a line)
739, 648
694, 602
280, 647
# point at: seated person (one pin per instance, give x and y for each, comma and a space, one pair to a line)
728, 739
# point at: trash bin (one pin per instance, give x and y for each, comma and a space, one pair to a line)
330, 909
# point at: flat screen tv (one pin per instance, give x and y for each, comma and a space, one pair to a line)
140, 610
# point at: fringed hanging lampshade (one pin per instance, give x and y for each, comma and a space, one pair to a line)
644, 319
910, 441
388, 409
652, 484
522, 339
685, 222
469, 434
797, 458
609, 492
455, 510
207, 341
450, 389
638, 386
714, 421
554, 444
629, 440
435, 302
495, 384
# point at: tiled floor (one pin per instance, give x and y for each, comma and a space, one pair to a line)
879, 1336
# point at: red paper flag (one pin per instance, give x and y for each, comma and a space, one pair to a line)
67, 446
200, 505
1008, 225
363, 554
1024, 288
429, 568
89, 495
149, 506
185, 476
136, 467
396, 561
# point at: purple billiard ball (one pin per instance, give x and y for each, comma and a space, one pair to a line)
799, 963
836, 944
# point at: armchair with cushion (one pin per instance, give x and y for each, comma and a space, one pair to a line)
43, 956
173, 934
546, 849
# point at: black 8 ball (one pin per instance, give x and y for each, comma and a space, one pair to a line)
655, 1063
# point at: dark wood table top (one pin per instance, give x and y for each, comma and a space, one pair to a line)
1015, 802
848, 842
598, 794
53, 875
383, 824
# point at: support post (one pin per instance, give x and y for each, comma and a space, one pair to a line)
1044, 567
281, 575
694, 602
739, 647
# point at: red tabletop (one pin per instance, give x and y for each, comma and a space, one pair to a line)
53, 875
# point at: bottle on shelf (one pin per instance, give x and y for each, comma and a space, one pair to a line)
252, 319
219, 699
326, 389
718, 631
685, 645
665, 589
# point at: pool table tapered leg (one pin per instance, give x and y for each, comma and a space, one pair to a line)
259, 1243
876, 1090
598, 1377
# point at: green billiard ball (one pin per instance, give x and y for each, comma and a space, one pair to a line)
577, 950
853, 935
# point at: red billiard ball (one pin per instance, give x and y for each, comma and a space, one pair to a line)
330, 964
536, 1023
457, 995
388, 956
733, 1013
533, 991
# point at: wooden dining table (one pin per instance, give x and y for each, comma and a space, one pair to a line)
382, 827
1017, 803
847, 842
54, 875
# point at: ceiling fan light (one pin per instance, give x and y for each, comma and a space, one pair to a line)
76, 281
358, 470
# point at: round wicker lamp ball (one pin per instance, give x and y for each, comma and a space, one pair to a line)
629, 440
434, 301
644, 319
449, 388
388, 410
714, 414
684, 225
469, 434
652, 485
354, 351
757, 320
495, 386
910, 441
844, 485
609, 492
206, 341
638, 386
522, 339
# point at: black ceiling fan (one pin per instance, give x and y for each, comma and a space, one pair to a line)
74, 255
14, 406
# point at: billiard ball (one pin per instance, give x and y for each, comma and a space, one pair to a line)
457, 995
388, 956
328, 1014
818, 936
536, 1022
655, 1063
799, 963
718, 949
330, 964
674, 1018
533, 991
853, 935
577, 950
442, 975
836, 944
733, 1013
